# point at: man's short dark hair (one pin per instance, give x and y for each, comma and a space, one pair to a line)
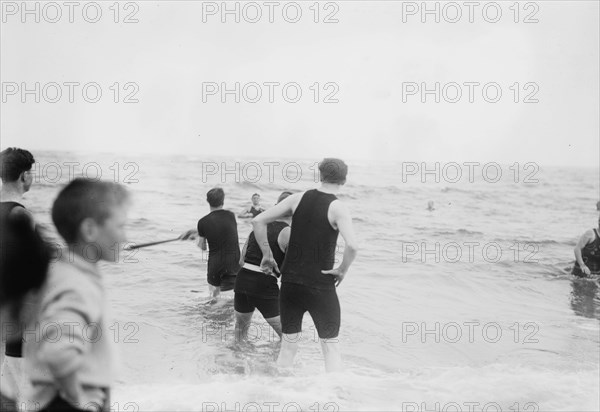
333, 170
13, 162
255, 194
82, 199
215, 197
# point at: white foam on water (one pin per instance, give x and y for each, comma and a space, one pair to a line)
492, 387
177, 353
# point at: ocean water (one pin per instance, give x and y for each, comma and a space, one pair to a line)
467, 307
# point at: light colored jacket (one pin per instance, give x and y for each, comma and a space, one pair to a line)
69, 332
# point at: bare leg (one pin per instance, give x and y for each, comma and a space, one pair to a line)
289, 347
331, 353
214, 291
242, 322
275, 323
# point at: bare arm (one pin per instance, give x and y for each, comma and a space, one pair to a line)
190, 234
284, 238
283, 209
245, 212
244, 250
202, 242
586, 238
343, 221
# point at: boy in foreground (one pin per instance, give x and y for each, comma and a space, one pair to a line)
70, 361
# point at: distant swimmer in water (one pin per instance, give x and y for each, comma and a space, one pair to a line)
219, 228
587, 254
253, 288
253, 209
430, 206
308, 276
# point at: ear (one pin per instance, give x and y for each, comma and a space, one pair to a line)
88, 230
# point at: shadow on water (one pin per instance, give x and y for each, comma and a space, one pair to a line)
585, 300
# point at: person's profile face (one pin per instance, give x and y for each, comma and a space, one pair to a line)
111, 234
27, 180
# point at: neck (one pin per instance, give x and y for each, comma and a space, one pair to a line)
212, 209
11, 192
80, 250
329, 188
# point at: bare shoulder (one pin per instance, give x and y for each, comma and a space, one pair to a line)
587, 237
292, 201
295, 197
339, 208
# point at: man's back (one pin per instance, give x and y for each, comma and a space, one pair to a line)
309, 279
312, 242
219, 228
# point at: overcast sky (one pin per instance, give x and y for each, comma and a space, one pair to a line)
370, 60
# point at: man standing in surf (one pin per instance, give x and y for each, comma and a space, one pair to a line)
17, 177
219, 228
309, 280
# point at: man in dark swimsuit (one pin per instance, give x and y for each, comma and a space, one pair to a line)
253, 288
254, 209
219, 228
308, 278
17, 177
587, 254
24, 252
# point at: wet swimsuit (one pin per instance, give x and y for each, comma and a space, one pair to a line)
255, 212
14, 343
253, 288
323, 306
219, 228
311, 249
590, 254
